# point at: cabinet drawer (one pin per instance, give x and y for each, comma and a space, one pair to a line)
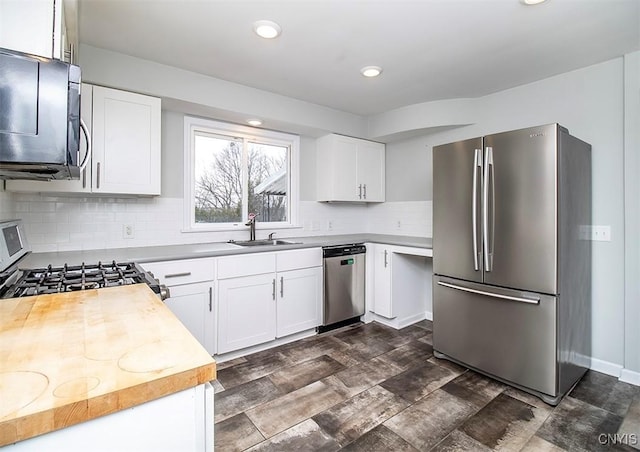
187, 271
245, 265
295, 259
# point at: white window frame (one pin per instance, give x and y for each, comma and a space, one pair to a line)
193, 125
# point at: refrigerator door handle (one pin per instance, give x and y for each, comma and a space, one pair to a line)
477, 165
488, 177
490, 294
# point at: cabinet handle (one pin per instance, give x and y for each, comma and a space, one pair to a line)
210, 298
177, 275
273, 294
365, 190
385, 259
281, 286
98, 176
84, 178
360, 191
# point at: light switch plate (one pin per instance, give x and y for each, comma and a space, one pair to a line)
595, 233
601, 233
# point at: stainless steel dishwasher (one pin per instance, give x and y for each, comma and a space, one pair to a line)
344, 267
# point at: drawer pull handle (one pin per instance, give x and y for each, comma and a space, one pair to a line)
177, 275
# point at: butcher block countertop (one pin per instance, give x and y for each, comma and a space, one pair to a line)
68, 358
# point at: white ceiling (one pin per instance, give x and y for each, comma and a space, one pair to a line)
429, 49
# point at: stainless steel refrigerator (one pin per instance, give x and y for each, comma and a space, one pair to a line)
511, 261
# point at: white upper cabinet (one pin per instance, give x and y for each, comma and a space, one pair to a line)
35, 26
126, 142
125, 129
350, 169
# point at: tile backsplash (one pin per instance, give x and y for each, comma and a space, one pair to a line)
67, 223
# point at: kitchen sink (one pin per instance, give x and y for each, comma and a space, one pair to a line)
264, 242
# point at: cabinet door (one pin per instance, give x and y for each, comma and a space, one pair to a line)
382, 282
246, 311
371, 171
299, 300
126, 142
82, 185
28, 26
193, 305
337, 168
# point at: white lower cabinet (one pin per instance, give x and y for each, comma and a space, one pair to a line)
246, 311
190, 283
283, 296
193, 305
382, 281
233, 302
300, 301
399, 284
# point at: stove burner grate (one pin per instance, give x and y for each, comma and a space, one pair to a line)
69, 278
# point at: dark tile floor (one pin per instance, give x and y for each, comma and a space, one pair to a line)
374, 388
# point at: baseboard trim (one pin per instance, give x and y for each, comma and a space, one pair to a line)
606, 367
630, 376
428, 315
228, 356
406, 321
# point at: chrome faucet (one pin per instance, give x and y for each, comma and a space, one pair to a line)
252, 226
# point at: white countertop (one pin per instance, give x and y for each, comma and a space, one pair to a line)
201, 250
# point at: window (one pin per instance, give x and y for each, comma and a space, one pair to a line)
232, 171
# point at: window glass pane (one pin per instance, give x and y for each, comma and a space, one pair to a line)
268, 169
218, 179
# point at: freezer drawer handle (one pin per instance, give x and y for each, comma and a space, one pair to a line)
489, 294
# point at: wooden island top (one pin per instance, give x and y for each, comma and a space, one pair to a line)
71, 357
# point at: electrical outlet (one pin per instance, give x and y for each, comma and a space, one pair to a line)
399, 225
128, 231
330, 225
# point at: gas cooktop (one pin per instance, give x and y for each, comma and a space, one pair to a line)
69, 278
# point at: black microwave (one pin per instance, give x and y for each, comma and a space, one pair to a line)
40, 120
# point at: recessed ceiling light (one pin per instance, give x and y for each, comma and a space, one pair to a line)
254, 122
532, 2
267, 29
371, 71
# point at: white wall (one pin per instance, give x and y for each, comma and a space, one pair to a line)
589, 102
409, 170
207, 96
